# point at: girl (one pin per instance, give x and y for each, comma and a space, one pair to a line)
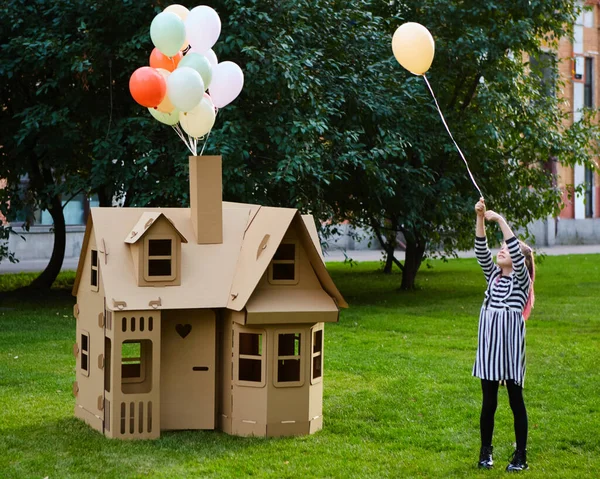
501, 346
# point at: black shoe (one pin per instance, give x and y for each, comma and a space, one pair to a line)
518, 462
485, 457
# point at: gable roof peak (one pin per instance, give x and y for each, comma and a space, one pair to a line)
143, 224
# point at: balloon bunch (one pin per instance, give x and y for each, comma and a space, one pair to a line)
182, 68
414, 48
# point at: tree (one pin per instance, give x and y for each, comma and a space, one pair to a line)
69, 125
327, 121
502, 116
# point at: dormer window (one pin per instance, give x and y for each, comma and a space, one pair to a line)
282, 269
160, 258
155, 245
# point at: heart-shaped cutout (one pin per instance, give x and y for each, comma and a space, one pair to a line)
183, 329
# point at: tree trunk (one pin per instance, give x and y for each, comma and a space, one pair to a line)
48, 276
388, 243
415, 249
389, 262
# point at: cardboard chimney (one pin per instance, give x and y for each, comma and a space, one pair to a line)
208, 317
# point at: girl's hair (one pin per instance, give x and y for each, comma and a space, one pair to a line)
530, 263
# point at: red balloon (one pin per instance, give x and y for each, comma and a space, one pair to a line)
158, 60
147, 87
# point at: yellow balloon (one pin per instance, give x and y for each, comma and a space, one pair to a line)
178, 10
165, 106
413, 47
181, 12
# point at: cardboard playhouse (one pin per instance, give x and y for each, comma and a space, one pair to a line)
208, 317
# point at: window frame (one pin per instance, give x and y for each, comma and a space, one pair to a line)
142, 377
313, 331
589, 192
96, 268
588, 82
237, 356
277, 358
285, 282
86, 352
172, 257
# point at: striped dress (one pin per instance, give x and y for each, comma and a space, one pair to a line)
501, 336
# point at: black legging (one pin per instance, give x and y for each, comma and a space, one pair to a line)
488, 409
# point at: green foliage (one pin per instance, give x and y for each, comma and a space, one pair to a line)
327, 122
399, 399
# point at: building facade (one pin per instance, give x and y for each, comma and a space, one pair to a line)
579, 70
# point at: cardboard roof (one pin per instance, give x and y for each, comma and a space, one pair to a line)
143, 225
212, 275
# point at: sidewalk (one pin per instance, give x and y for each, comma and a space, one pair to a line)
333, 255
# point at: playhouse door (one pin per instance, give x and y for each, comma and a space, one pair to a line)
187, 370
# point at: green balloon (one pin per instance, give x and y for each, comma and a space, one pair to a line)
170, 119
167, 32
199, 63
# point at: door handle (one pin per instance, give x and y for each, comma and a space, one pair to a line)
200, 368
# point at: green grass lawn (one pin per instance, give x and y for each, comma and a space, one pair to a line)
399, 398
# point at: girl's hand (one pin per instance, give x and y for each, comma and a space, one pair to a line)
493, 216
480, 208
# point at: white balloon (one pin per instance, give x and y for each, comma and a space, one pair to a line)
202, 28
185, 88
212, 57
199, 121
226, 84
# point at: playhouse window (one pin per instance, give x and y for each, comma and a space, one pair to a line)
94, 272
282, 269
160, 259
317, 355
289, 359
85, 354
136, 373
250, 360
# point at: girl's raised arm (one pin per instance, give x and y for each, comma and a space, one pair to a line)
482, 252
516, 255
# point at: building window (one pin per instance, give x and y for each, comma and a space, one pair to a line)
589, 193
94, 273
543, 66
588, 85
317, 355
282, 269
136, 366
289, 367
250, 358
160, 260
84, 361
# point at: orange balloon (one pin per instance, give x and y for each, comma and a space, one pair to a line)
148, 87
158, 60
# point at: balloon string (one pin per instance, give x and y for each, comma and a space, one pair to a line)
182, 137
205, 142
449, 133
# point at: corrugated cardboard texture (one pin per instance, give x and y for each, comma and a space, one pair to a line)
144, 224
234, 267
133, 414
316, 260
224, 371
206, 270
269, 306
188, 369
309, 222
206, 198
268, 221
90, 305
